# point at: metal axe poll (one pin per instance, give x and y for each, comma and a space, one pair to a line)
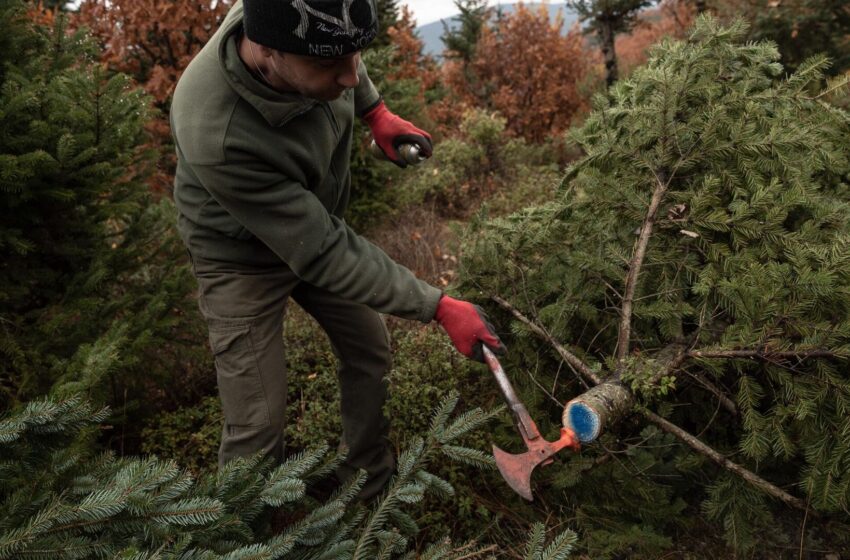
516, 469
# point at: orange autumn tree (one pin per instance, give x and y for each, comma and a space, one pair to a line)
527, 70
153, 41
41, 14
458, 96
671, 19
408, 60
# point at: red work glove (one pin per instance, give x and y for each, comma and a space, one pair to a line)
468, 327
391, 131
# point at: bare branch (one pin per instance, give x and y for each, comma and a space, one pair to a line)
474, 554
635, 266
725, 401
765, 354
721, 460
565, 354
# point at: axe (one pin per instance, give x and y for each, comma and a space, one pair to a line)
516, 469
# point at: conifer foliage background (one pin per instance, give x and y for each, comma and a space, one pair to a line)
88, 281
748, 252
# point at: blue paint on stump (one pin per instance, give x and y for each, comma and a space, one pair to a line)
584, 421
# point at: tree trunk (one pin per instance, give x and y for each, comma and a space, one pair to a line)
598, 407
607, 403
606, 36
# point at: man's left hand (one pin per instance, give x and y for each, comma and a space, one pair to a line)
391, 131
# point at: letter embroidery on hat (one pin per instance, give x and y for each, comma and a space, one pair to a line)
344, 23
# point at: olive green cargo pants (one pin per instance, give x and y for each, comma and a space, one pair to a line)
244, 308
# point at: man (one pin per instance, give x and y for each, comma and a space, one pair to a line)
262, 121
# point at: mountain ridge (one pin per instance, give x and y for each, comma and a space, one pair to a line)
430, 33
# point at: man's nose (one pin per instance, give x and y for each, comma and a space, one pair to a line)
348, 77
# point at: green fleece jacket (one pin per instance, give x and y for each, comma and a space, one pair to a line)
263, 179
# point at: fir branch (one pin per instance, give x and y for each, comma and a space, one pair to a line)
444, 410
470, 456
841, 83
194, 511
468, 421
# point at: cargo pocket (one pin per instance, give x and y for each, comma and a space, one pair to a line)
239, 384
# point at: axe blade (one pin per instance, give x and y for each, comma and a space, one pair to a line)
516, 470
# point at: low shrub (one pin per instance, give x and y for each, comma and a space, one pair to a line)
480, 162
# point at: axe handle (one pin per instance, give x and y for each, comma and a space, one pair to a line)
526, 426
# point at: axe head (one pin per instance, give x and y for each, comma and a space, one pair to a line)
516, 469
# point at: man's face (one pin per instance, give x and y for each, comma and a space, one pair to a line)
316, 77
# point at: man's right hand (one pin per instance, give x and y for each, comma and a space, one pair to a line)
468, 327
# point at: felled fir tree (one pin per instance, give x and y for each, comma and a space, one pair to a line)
89, 259
697, 261
59, 500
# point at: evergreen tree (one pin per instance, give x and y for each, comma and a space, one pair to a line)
606, 18
60, 500
698, 255
460, 42
153, 43
88, 255
464, 87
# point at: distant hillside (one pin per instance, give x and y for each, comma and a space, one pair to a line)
430, 33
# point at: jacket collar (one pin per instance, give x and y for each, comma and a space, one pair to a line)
276, 107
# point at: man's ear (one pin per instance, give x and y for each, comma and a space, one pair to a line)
264, 51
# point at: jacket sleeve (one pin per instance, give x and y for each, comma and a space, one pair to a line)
366, 96
319, 247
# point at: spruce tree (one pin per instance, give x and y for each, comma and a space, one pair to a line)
698, 256
387, 17
460, 41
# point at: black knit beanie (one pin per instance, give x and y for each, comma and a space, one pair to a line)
311, 27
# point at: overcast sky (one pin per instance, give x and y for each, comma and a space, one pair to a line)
426, 11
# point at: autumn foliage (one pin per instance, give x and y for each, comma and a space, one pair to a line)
525, 69
408, 61
40, 14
